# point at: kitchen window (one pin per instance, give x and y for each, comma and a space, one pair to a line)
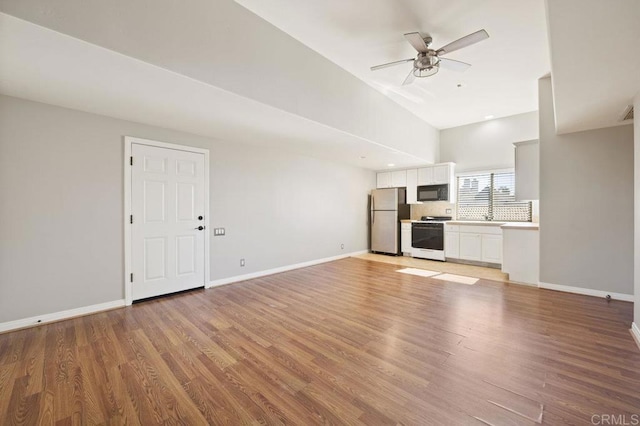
490, 196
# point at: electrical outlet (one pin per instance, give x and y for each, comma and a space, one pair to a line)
448, 211
341, 246
241, 262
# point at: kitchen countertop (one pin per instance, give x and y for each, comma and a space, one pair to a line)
475, 222
504, 225
530, 226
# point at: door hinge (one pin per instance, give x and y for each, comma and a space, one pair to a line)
132, 277
130, 218
131, 161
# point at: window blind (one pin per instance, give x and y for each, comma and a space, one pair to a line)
491, 196
473, 196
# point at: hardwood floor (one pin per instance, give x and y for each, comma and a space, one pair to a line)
435, 265
346, 342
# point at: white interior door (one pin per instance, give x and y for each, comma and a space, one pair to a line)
167, 205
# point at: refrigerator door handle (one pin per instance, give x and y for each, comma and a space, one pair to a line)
373, 216
373, 202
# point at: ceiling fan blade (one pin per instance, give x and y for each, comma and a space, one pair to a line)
450, 64
463, 42
409, 78
390, 64
417, 42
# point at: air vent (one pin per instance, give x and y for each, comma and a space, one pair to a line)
628, 113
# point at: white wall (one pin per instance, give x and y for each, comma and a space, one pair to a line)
221, 43
488, 144
61, 221
586, 204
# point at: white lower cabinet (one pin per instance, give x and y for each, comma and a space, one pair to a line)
452, 244
477, 243
521, 255
492, 248
405, 237
470, 246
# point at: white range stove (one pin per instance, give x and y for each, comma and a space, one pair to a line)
427, 237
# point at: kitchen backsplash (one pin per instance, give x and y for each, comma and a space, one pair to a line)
432, 208
439, 208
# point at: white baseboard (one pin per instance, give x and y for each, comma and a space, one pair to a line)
535, 285
234, 279
635, 332
58, 316
587, 291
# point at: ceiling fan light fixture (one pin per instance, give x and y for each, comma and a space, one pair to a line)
428, 61
426, 72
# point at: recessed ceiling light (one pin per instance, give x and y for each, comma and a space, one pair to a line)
390, 164
488, 117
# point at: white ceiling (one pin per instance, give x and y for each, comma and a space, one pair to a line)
43, 65
596, 61
358, 34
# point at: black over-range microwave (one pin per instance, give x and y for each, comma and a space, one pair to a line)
433, 192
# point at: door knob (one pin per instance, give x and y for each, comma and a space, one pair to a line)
200, 228
200, 217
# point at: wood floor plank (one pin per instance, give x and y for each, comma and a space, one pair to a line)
345, 342
32, 361
22, 408
8, 374
125, 404
158, 377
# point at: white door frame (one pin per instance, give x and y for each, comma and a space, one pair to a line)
128, 143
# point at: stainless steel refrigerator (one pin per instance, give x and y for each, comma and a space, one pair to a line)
388, 207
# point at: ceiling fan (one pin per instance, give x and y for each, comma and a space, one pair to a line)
428, 61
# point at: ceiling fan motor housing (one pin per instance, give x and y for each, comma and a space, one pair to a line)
426, 60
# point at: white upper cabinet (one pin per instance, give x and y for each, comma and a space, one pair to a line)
412, 186
527, 170
395, 179
441, 174
425, 176
436, 174
398, 178
383, 180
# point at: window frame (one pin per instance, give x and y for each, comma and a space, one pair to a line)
491, 202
